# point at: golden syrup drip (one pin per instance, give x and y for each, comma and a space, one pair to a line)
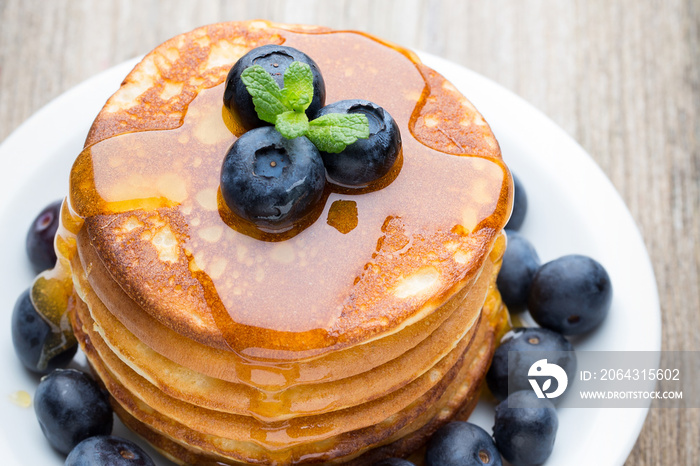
52, 290
265, 294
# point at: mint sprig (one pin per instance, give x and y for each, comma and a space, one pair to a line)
285, 108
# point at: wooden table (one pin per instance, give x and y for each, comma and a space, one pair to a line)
622, 78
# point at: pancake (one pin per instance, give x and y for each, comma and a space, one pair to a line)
324, 345
229, 367
187, 384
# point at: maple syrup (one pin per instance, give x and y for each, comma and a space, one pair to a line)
296, 289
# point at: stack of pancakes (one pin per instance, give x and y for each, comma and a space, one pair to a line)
330, 346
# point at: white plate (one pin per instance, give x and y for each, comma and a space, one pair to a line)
573, 209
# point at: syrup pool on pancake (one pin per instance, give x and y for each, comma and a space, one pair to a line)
458, 193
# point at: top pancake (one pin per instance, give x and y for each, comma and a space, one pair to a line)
147, 187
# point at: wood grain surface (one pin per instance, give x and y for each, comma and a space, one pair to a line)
621, 77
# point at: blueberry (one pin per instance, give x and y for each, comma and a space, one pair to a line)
103, 449
520, 263
271, 181
519, 205
525, 428
71, 407
461, 444
275, 59
29, 333
40, 237
365, 160
570, 295
393, 462
528, 345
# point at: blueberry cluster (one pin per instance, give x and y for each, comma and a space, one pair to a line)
568, 296
73, 411
274, 182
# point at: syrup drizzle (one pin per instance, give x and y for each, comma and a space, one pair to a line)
295, 290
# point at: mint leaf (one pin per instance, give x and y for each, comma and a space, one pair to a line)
298, 86
267, 95
292, 124
334, 131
